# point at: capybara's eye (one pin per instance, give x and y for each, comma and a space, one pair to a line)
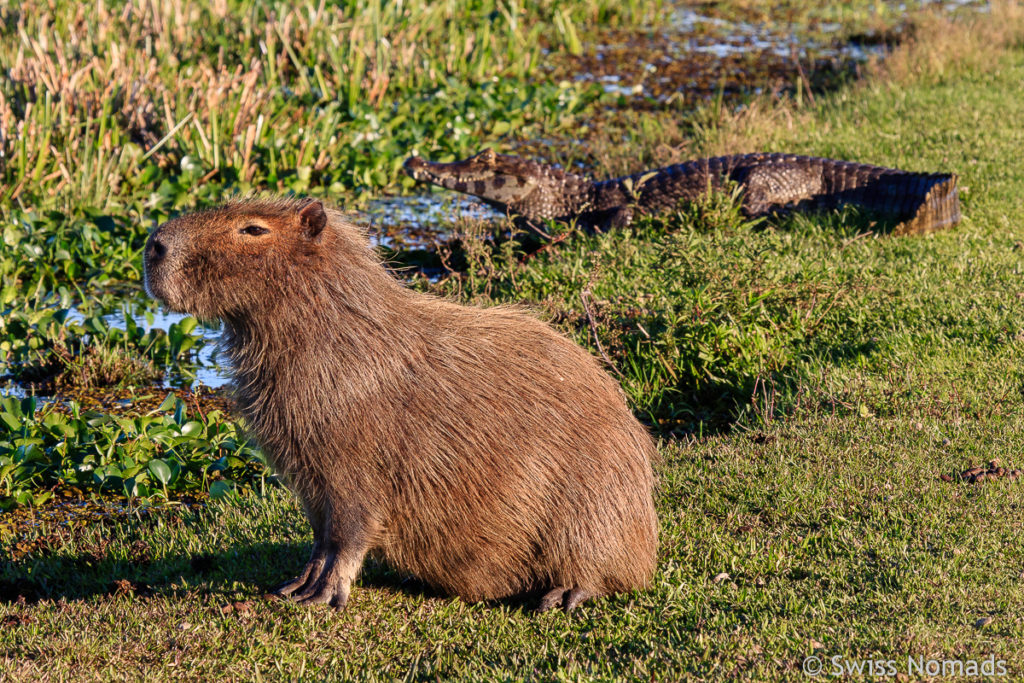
254, 230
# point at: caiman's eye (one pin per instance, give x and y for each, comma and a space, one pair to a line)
254, 230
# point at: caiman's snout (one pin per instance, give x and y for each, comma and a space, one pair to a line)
477, 167
414, 167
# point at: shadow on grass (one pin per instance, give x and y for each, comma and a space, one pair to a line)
83, 576
262, 567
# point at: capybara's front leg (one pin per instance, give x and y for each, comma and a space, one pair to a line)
346, 539
317, 519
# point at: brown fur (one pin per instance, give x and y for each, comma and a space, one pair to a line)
474, 448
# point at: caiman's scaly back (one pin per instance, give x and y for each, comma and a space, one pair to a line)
771, 183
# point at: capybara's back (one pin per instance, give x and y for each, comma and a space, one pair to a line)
474, 448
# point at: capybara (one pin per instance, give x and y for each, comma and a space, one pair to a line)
474, 448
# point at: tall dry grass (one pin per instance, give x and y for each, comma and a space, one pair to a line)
91, 93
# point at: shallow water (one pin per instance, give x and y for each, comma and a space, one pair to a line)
149, 315
418, 221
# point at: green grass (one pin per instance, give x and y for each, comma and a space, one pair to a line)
810, 380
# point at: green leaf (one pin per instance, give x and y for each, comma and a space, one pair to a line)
222, 489
12, 422
160, 470
192, 428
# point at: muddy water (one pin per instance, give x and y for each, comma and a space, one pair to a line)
696, 58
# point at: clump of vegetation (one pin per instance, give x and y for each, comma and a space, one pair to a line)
143, 100
91, 366
157, 455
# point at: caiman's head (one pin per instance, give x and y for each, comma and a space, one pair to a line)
512, 184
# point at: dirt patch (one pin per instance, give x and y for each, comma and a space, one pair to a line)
981, 473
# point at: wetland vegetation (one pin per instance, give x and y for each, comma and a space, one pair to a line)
811, 380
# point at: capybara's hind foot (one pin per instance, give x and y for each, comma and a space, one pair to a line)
564, 597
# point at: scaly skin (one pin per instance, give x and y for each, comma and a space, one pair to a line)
919, 202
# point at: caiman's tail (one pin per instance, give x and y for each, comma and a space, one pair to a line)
919, 202
938, 208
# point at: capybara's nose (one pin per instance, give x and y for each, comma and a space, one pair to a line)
155, 250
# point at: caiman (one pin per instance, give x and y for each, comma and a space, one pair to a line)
770, 183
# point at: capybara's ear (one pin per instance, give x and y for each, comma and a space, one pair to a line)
312, 218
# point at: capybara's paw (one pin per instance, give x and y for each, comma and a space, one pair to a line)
310, 572
333, 594
552, 599
564, 597
576, 597
328, 583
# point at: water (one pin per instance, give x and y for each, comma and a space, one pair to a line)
9, 388
207, 369
694, 54
419, 221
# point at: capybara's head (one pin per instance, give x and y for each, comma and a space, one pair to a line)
230, 260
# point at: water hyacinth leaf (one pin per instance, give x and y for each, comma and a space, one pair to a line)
98, 420
130, 487
96, 325
183, 346
131, 471
51, 420
192, 428
29, 452
160, 470
12, 406
187, 324
175, 468
12, 422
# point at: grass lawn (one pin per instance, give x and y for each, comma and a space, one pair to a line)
811, 382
